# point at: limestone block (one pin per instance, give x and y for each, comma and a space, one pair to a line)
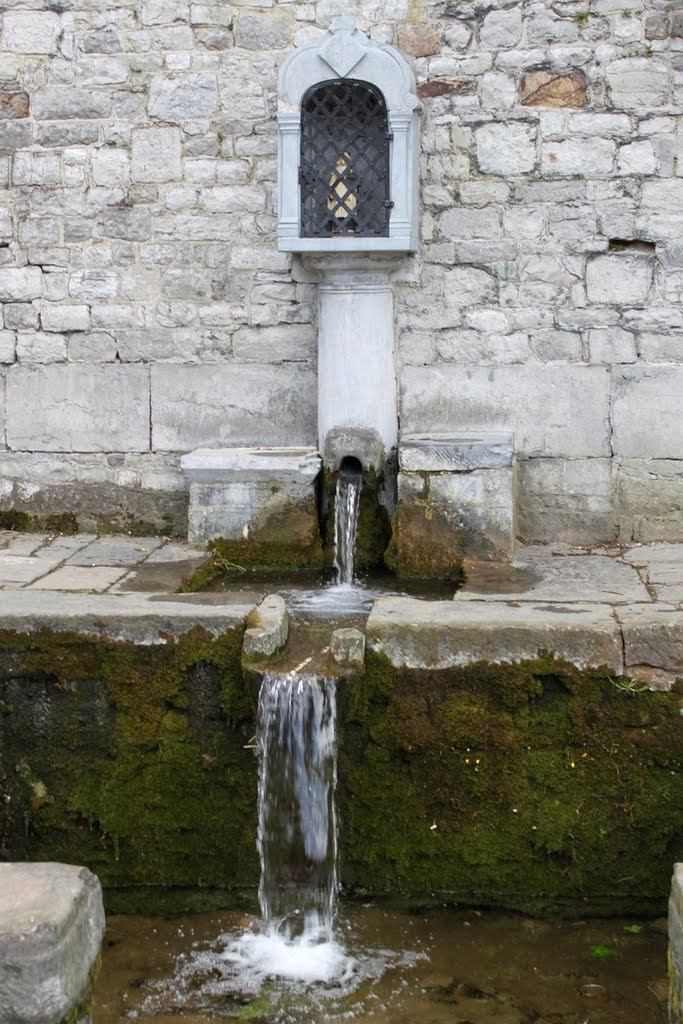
61, 103
90, 285
661, 348
613, 125
622, 278
110, 166
37, 169
650, 499
547, 89
637, 158
51, 928
188, 98
444, 634
79, 407
268, 627
65, 318
284, 343
648, 412
552, 410
155, 155
8, 340
567, 500
612, 345
637, 82
506, 149
31, 32
15, 135
434, 453
38, 347
463, 223
469, 286
578, 156
267, 30
501, 29
131, 224
232, 403
20, 284
420, 39
347, 647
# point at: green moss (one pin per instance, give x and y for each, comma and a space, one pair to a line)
426, 541
23, 522
536, 787
136, 754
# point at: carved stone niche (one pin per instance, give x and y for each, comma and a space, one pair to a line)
348, 147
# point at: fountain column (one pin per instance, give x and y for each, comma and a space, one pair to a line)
357, 389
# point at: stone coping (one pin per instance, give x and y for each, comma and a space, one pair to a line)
224, 465
443, 453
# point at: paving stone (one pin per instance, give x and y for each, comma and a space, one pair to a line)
51, 928
22, 568
566, 578
443, 634
116, 551
173, 551
78, 577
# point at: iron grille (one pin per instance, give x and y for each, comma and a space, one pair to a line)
344, 170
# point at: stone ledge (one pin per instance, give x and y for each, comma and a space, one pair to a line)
653, 636
445, 634
225, 465
448, 453
268, 627
137, 618
51, 928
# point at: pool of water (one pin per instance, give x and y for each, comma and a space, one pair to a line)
386, 967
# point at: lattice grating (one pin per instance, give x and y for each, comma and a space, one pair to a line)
344, 160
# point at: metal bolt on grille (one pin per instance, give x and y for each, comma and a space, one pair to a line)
344, 169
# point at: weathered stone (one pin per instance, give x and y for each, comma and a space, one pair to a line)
135, 225
653, 636
37, 347
546, 89
284, 343
506, 149
612, 345
647, 411
650, 499
502, 28
78, 408
60, 103
443, 87
578, 156
259, 494
637, 82
155, 155
37, 169
567, 500
268, 628
434, 453
621, 278
13, 105
20, 284
261, 405
443, 634
190, 98
535, 403
31, 31
14, 135
347, 647
52, 927
558, 579
268, 30
421, 39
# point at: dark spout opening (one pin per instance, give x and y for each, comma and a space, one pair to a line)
350, 466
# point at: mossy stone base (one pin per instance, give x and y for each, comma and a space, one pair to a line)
427, 541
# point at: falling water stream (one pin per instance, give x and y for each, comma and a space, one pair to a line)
347, 500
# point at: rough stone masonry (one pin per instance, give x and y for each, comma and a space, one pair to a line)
146, 311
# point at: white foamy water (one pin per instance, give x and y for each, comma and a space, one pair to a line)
259, 957
346, 503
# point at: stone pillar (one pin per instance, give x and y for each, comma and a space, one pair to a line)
356, 361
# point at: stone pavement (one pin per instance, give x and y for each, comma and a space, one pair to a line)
619, 606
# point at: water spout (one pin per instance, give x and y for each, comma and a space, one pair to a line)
347, 500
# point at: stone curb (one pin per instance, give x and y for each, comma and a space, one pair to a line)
268, 628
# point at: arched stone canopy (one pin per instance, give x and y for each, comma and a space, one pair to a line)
345, 52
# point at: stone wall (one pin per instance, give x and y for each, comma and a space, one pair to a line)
146, 310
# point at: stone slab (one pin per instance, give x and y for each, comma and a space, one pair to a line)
564, 578
347, 647
51, 929
214, 465
437, 453
653, 636
91, 578
445, 634
115, 551
137, 618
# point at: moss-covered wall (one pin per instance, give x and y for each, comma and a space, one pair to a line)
130, 759
536, 786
